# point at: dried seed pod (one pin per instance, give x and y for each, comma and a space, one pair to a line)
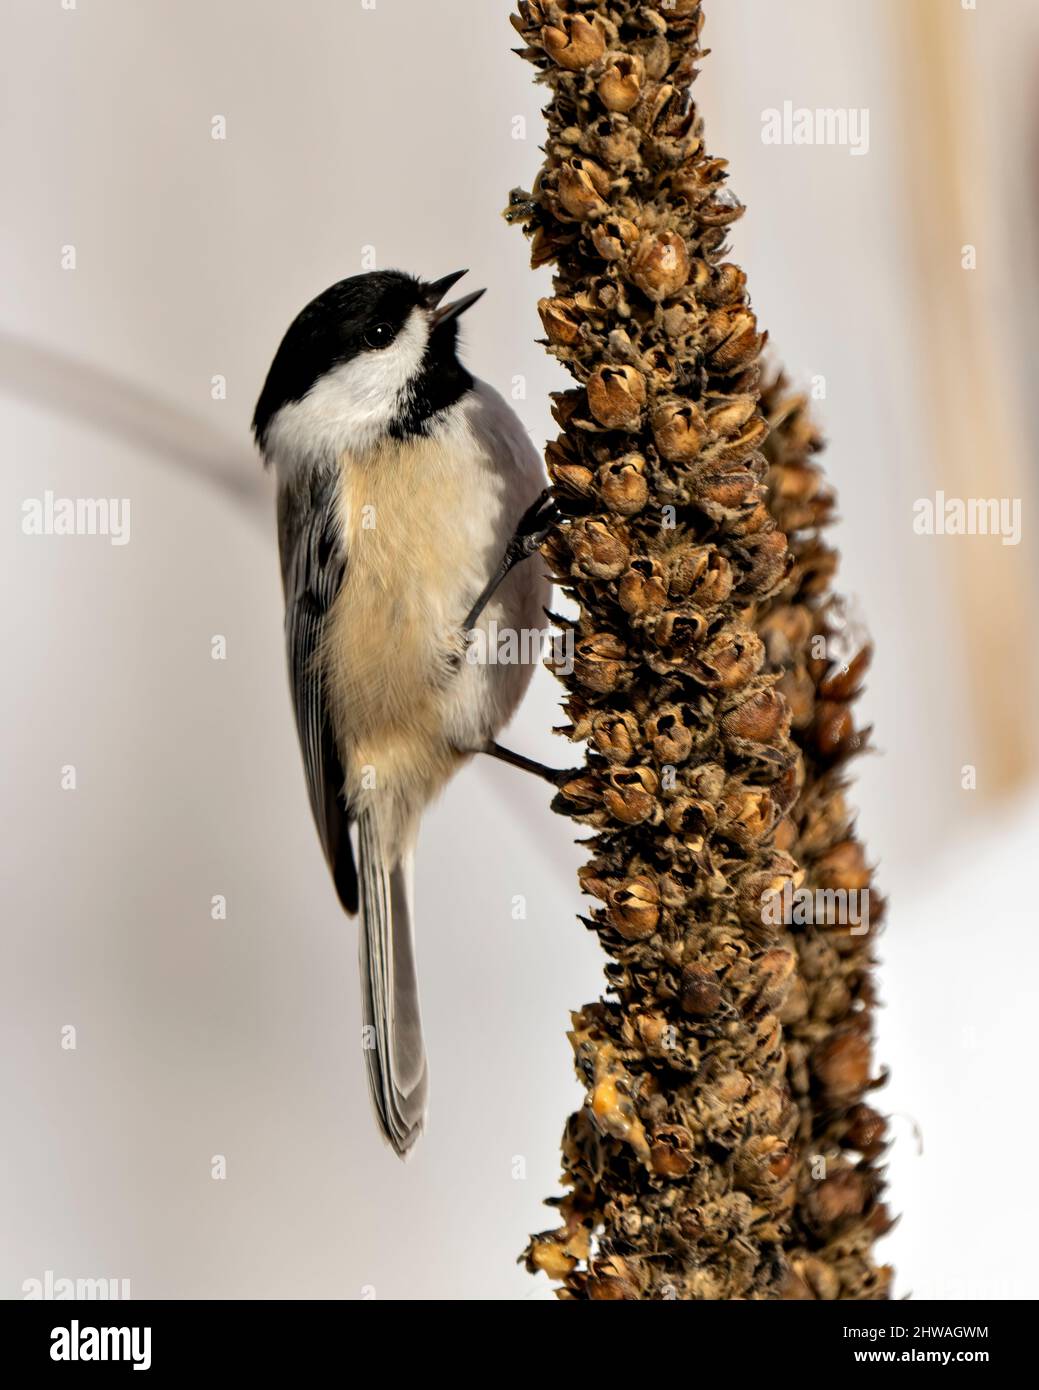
548, 1255
701, 991
843, 1195
622, 484
679, 430
613, 144
842, 1065
596, 552
599, 662
630, 796
726, 284
760, 719
796, 1005
612, 1279
749, 814
778, 873
697, 182
762, 1162
845, 682
675, 635
671, 1151
616, 396
767, 562
740, 447
634, 908
776, 970
821, 1278
728, 661
654, 1033
865, 1131
580, 188
659, 366
615, 735
620, 86
731, 338
613, 237
681, 317
660, 266
561, 320
843, 867
708, 575
693, 819
643, 588
575, 43
729, 418
572, 480
834, 735
669, 733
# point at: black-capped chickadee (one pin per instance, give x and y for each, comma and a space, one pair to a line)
408, 493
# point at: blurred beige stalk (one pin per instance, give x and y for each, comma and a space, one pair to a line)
973, 404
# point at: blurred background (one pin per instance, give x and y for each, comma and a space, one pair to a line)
149, 271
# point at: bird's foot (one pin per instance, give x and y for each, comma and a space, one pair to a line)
534, 526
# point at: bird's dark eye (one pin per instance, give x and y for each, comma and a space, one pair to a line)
378, 336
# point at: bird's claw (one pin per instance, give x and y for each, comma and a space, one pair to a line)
540, 518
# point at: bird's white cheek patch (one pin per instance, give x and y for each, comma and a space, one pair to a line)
351, 406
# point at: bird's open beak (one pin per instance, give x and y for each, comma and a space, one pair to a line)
446, 312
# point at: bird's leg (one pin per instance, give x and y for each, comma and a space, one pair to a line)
531, 529
505, 755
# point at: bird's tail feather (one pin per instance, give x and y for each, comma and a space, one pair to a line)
393, 1047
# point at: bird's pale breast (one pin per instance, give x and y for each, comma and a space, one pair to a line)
424, 525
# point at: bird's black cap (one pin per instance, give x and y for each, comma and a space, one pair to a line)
365, 313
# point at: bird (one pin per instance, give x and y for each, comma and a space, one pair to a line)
409, 497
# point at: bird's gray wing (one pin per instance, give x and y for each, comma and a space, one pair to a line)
313, 566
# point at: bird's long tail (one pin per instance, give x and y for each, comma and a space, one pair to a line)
393, 1046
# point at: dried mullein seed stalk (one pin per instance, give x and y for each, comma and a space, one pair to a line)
827, 1022
724, 1149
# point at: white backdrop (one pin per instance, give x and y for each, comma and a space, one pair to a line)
393, 127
